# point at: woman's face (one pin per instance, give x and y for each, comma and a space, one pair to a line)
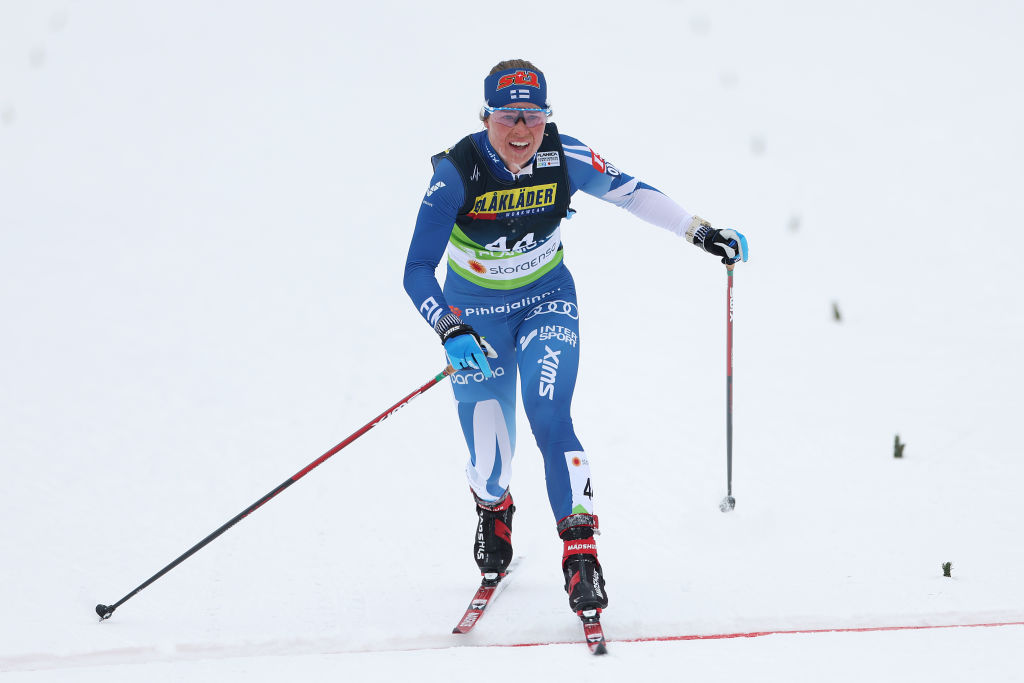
515, 144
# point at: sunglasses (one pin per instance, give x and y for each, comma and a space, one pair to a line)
510, 116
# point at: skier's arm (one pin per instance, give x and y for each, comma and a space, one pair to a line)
464, 348
595, 176
434, 224
598, 178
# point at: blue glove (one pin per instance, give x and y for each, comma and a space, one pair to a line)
466, 350
731, 245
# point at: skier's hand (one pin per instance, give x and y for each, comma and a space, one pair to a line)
730, 245
465, 349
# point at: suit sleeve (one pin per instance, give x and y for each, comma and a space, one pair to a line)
434, 224
589, 172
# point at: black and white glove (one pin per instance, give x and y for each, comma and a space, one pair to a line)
730, 245
464, 347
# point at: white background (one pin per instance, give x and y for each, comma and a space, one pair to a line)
204, 215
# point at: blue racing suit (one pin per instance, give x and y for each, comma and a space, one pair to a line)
505, 278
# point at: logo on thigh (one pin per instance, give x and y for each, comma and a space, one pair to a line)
548, 372
559, 333
525, 341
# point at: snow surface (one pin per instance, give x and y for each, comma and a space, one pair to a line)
204, 213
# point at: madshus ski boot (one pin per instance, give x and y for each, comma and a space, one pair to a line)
492, 549
584, 582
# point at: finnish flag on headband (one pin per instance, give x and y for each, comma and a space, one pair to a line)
515, 85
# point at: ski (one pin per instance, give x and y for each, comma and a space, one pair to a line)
484, 596
593, 632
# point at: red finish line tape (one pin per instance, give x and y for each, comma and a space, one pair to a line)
758, 634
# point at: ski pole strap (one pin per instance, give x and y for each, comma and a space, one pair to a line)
579, 519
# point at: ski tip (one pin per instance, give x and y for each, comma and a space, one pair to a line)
598, 649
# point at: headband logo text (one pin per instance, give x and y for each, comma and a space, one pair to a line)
520, 77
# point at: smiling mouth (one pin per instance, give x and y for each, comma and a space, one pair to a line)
519, 145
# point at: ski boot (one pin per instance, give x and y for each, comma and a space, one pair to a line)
492, 545
584, 582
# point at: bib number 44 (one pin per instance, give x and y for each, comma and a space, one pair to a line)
501, 244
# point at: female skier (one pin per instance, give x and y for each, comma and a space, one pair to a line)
494, 204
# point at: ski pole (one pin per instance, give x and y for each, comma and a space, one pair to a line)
105, 611
728, 503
